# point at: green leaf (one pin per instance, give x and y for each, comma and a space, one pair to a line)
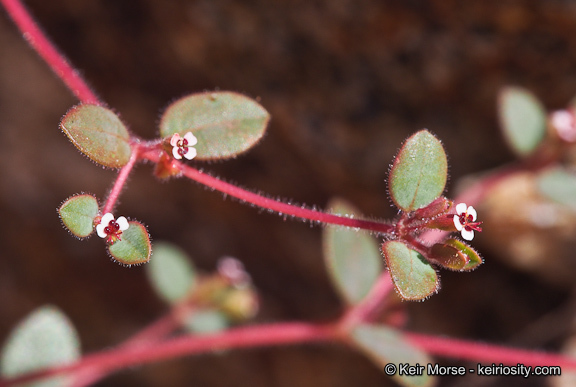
385, 346
206, 321
418, 175
523, 119
135, 246
559, 185
98, 133
225, 123
352, 257
171, 272
46, 338
413, 276
77, 214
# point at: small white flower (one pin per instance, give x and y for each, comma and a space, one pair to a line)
465, 221
111, 229
183, 146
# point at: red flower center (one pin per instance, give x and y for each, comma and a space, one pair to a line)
467, 221
182, 145
112, 228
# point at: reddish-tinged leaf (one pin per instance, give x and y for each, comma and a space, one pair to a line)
413, 276
98, 133
225, 123
77, 214
134, 247
418, 175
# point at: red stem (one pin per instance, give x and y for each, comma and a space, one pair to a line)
146, 338
467, 350
258, 335
374, 301
121, 180
271, 204
57, 62
249, 337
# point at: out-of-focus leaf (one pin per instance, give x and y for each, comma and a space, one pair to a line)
99, 134
171, 272
385, 346
523, 119
352, 257
413, 276
225, 123
206, 321
78, 213
46, 338
558, 185
135, 246
418, 175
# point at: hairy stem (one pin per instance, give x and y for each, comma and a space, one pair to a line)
57, 62
272, 204
121, 180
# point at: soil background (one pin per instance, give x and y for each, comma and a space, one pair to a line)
345, 82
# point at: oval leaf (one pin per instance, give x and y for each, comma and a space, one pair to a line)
77, 214
46, 338
134, 247
98, 133
523, 119
225, 123
559, 185
352, 257
384, 345
413, 276
418, 175
171, 272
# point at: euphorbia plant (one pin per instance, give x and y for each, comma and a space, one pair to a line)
222, 125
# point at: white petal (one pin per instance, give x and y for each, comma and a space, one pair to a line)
457, 223
190, 154
461, 208
471, 211
192, 140
106, 219
123, 223
100, 231
175, 153
468, 235
174, 139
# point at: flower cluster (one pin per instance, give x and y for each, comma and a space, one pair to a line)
111, 229
183, 146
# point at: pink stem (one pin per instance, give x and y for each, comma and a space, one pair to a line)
147, 337
249, 337
48, 52
459, 349
271, 204
121, 180
374, 301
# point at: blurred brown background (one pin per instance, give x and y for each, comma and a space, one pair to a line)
345, 83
